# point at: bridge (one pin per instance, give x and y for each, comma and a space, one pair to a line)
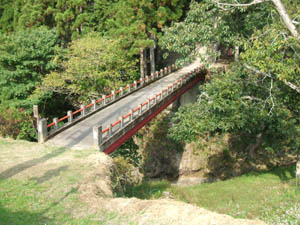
108, 122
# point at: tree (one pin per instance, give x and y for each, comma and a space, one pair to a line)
91, 67
258, 97
25, 58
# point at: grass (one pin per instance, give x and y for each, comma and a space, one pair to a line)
269, 196
40, 185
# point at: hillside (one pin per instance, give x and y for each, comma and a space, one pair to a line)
48, 185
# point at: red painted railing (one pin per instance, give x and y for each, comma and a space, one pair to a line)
157, 74
172, 87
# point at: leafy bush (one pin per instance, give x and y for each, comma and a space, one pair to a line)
123, 174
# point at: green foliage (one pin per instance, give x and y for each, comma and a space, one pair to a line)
123, 174
206, 24
254, 102
92, 66
237, 103
25, 58
137, 21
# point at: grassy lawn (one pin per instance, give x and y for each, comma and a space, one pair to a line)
40, 185
270, 196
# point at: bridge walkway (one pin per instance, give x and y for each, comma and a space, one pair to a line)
80, 135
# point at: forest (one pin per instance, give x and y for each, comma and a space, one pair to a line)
59, 54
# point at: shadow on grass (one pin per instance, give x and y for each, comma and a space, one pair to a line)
30, 163
285, 173
49, 174
147, 190
8, 217
21, 217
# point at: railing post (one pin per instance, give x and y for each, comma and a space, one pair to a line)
141, 81
110, 132
70, 118
104, 99
155, 99
165, 71
173, 67
94, 105
121, 124
169, 69
42, 130
161, 72
131, 115
128, 87
83, 110
121, 91
55, 120
135, 85
152, 76
113, 97
140, 109
147, 79
148, 105
97, 136
122, 121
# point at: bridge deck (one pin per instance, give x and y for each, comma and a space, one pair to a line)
80, 135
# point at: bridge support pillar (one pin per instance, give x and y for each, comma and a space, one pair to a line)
42, 130
97, 136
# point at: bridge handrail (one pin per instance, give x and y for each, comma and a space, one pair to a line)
103, 135
58, 124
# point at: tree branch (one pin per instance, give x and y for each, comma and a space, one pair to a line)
279, 7
289, 84
254, 2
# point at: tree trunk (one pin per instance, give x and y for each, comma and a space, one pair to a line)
145, 62
142, 62
152, 59
252, 147
285, 17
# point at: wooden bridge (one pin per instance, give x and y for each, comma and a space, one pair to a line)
108, 122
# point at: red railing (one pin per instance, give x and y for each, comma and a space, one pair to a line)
108, 96
151, 99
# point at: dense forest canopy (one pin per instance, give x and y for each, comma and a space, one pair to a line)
60, 53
